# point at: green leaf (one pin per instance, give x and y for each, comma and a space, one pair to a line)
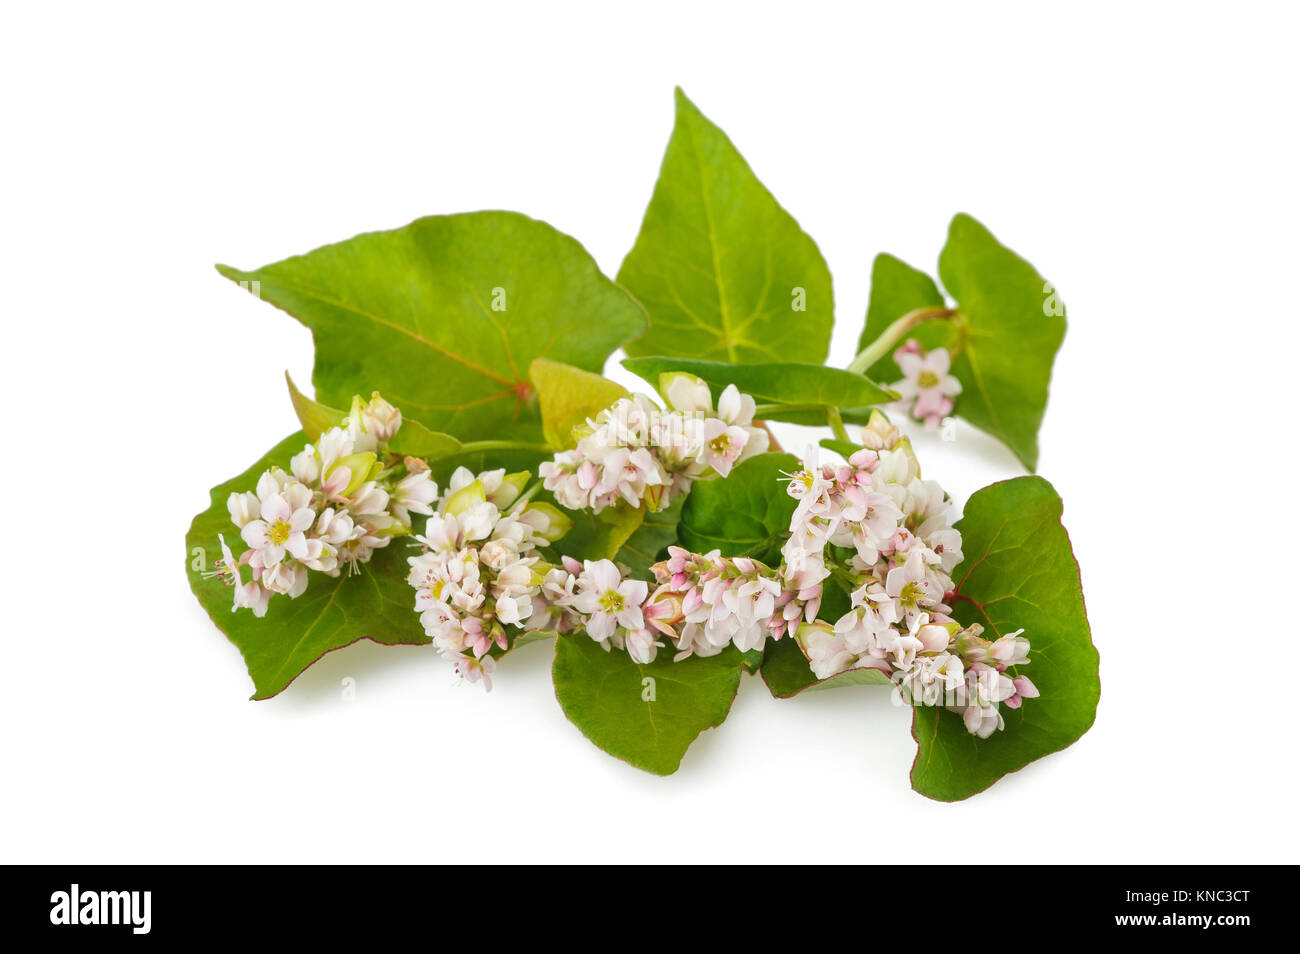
646, 545
512, 460
1009, 328
314, 417
747, 514
1011, 340
413, 439
568, 396
608, 696
845, 449
719, 265
1019, 572
896, 289
786, 672
376, 604
445, 315
598, 536
788, 383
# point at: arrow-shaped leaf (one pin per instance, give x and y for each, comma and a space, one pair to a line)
445, 315
1009, 327
724, 271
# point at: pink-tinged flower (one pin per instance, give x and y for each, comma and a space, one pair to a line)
608, 600
473, 669
927, 387
1011, 650
252, 595
723, 445
627, 472
227, 568
1024, 690
824, 649
928, 680
380, 419
641, 645
282, 527
982, 720
664, 610
911, 586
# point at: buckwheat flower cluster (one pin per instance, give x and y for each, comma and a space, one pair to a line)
342, 498
478, 577
596, 596
702, 604
927, 389
887, 535
706, 602
641, 455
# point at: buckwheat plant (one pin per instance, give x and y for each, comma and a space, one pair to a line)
666, 546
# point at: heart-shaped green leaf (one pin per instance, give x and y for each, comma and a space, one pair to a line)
747, 514
1015, 324
1008, 330
334, 612
445, 315
896, 289
568, 396
1018, 572
723, 270
646, 715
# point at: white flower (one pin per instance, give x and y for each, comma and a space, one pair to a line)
827, 654
685, 392
608, 600
926, 680
912, 586
252, 595
414, 493
305, 466
1010, 650
244, 508
282, 527
641, 645
927, 389
627, 472
380, 418
723, 445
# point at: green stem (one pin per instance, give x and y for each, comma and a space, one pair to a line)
473, 447
522, 500
837, 424
895, 333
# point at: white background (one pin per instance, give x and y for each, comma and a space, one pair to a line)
1143, 157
